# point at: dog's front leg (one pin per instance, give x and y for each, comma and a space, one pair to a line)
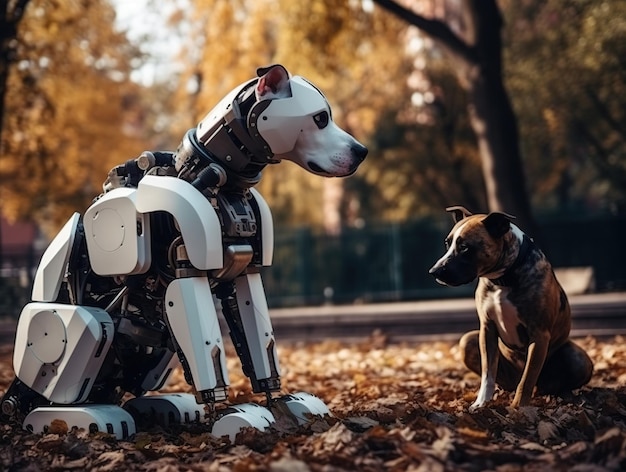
488, 345
536, 357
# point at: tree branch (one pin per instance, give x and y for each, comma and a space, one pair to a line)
436, 29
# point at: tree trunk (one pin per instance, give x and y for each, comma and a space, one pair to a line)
11, 13
479, 60
493, 119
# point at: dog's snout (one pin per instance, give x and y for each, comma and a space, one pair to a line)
436, 270
359, 151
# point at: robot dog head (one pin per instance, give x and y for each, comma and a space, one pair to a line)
474, 247
270, 118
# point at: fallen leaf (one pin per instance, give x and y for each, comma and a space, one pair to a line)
58, 426
547, 431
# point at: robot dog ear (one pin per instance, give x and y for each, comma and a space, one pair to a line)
458, 213
497, 223
273, 82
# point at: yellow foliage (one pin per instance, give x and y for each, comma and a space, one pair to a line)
71, 110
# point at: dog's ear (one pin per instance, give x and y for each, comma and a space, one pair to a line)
273, 82
458, 213
497, 223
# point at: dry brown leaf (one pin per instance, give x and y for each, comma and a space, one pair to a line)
58, 426
547, 431
109, 461
472, 433
610, 443
396, 407
533, 446
288, 464
49, 442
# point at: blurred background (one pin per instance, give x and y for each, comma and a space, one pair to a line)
512, 105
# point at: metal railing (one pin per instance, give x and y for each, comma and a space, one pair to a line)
383, 262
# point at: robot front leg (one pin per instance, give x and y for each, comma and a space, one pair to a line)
192, 318
244, 306
245, 310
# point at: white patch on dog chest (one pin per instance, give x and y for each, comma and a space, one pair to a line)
504, 314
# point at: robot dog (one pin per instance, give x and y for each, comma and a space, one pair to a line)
135, 286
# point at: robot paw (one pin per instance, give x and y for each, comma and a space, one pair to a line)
92, 418
164, 410
302, 406
237, 417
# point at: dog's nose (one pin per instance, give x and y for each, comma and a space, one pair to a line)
438, 270
359, 151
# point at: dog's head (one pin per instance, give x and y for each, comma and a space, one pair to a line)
298, 125
473, 247
276, 117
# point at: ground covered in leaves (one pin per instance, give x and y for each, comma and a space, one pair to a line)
397, 407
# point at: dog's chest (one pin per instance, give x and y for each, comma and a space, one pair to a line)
497, 307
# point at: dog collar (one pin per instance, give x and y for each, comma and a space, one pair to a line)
508, 279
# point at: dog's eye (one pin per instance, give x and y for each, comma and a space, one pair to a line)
463, 248
321, 119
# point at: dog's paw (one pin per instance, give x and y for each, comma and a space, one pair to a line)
477, 405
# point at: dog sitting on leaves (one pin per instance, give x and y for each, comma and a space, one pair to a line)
523, 341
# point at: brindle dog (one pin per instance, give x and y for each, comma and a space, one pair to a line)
524, 314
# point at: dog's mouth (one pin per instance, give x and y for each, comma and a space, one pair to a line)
315, 168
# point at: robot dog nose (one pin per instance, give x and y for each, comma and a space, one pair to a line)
359, 151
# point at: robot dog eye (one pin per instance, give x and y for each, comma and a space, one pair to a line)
321, 119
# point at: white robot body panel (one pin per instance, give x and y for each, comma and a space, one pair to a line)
53, 265
280, 122
257, 325
92, 418
118, 237
302, 405
238, 417
267, 228
193, 321
199, 224
59, 349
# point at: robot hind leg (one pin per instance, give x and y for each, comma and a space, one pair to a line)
59, 351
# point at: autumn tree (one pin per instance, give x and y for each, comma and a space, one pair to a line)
566, 63
11, 14
475, 46
425, 156
453, 138
71, 111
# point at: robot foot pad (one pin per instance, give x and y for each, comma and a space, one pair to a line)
177, 408
165, 410
301, 406
92, 418
237, 417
